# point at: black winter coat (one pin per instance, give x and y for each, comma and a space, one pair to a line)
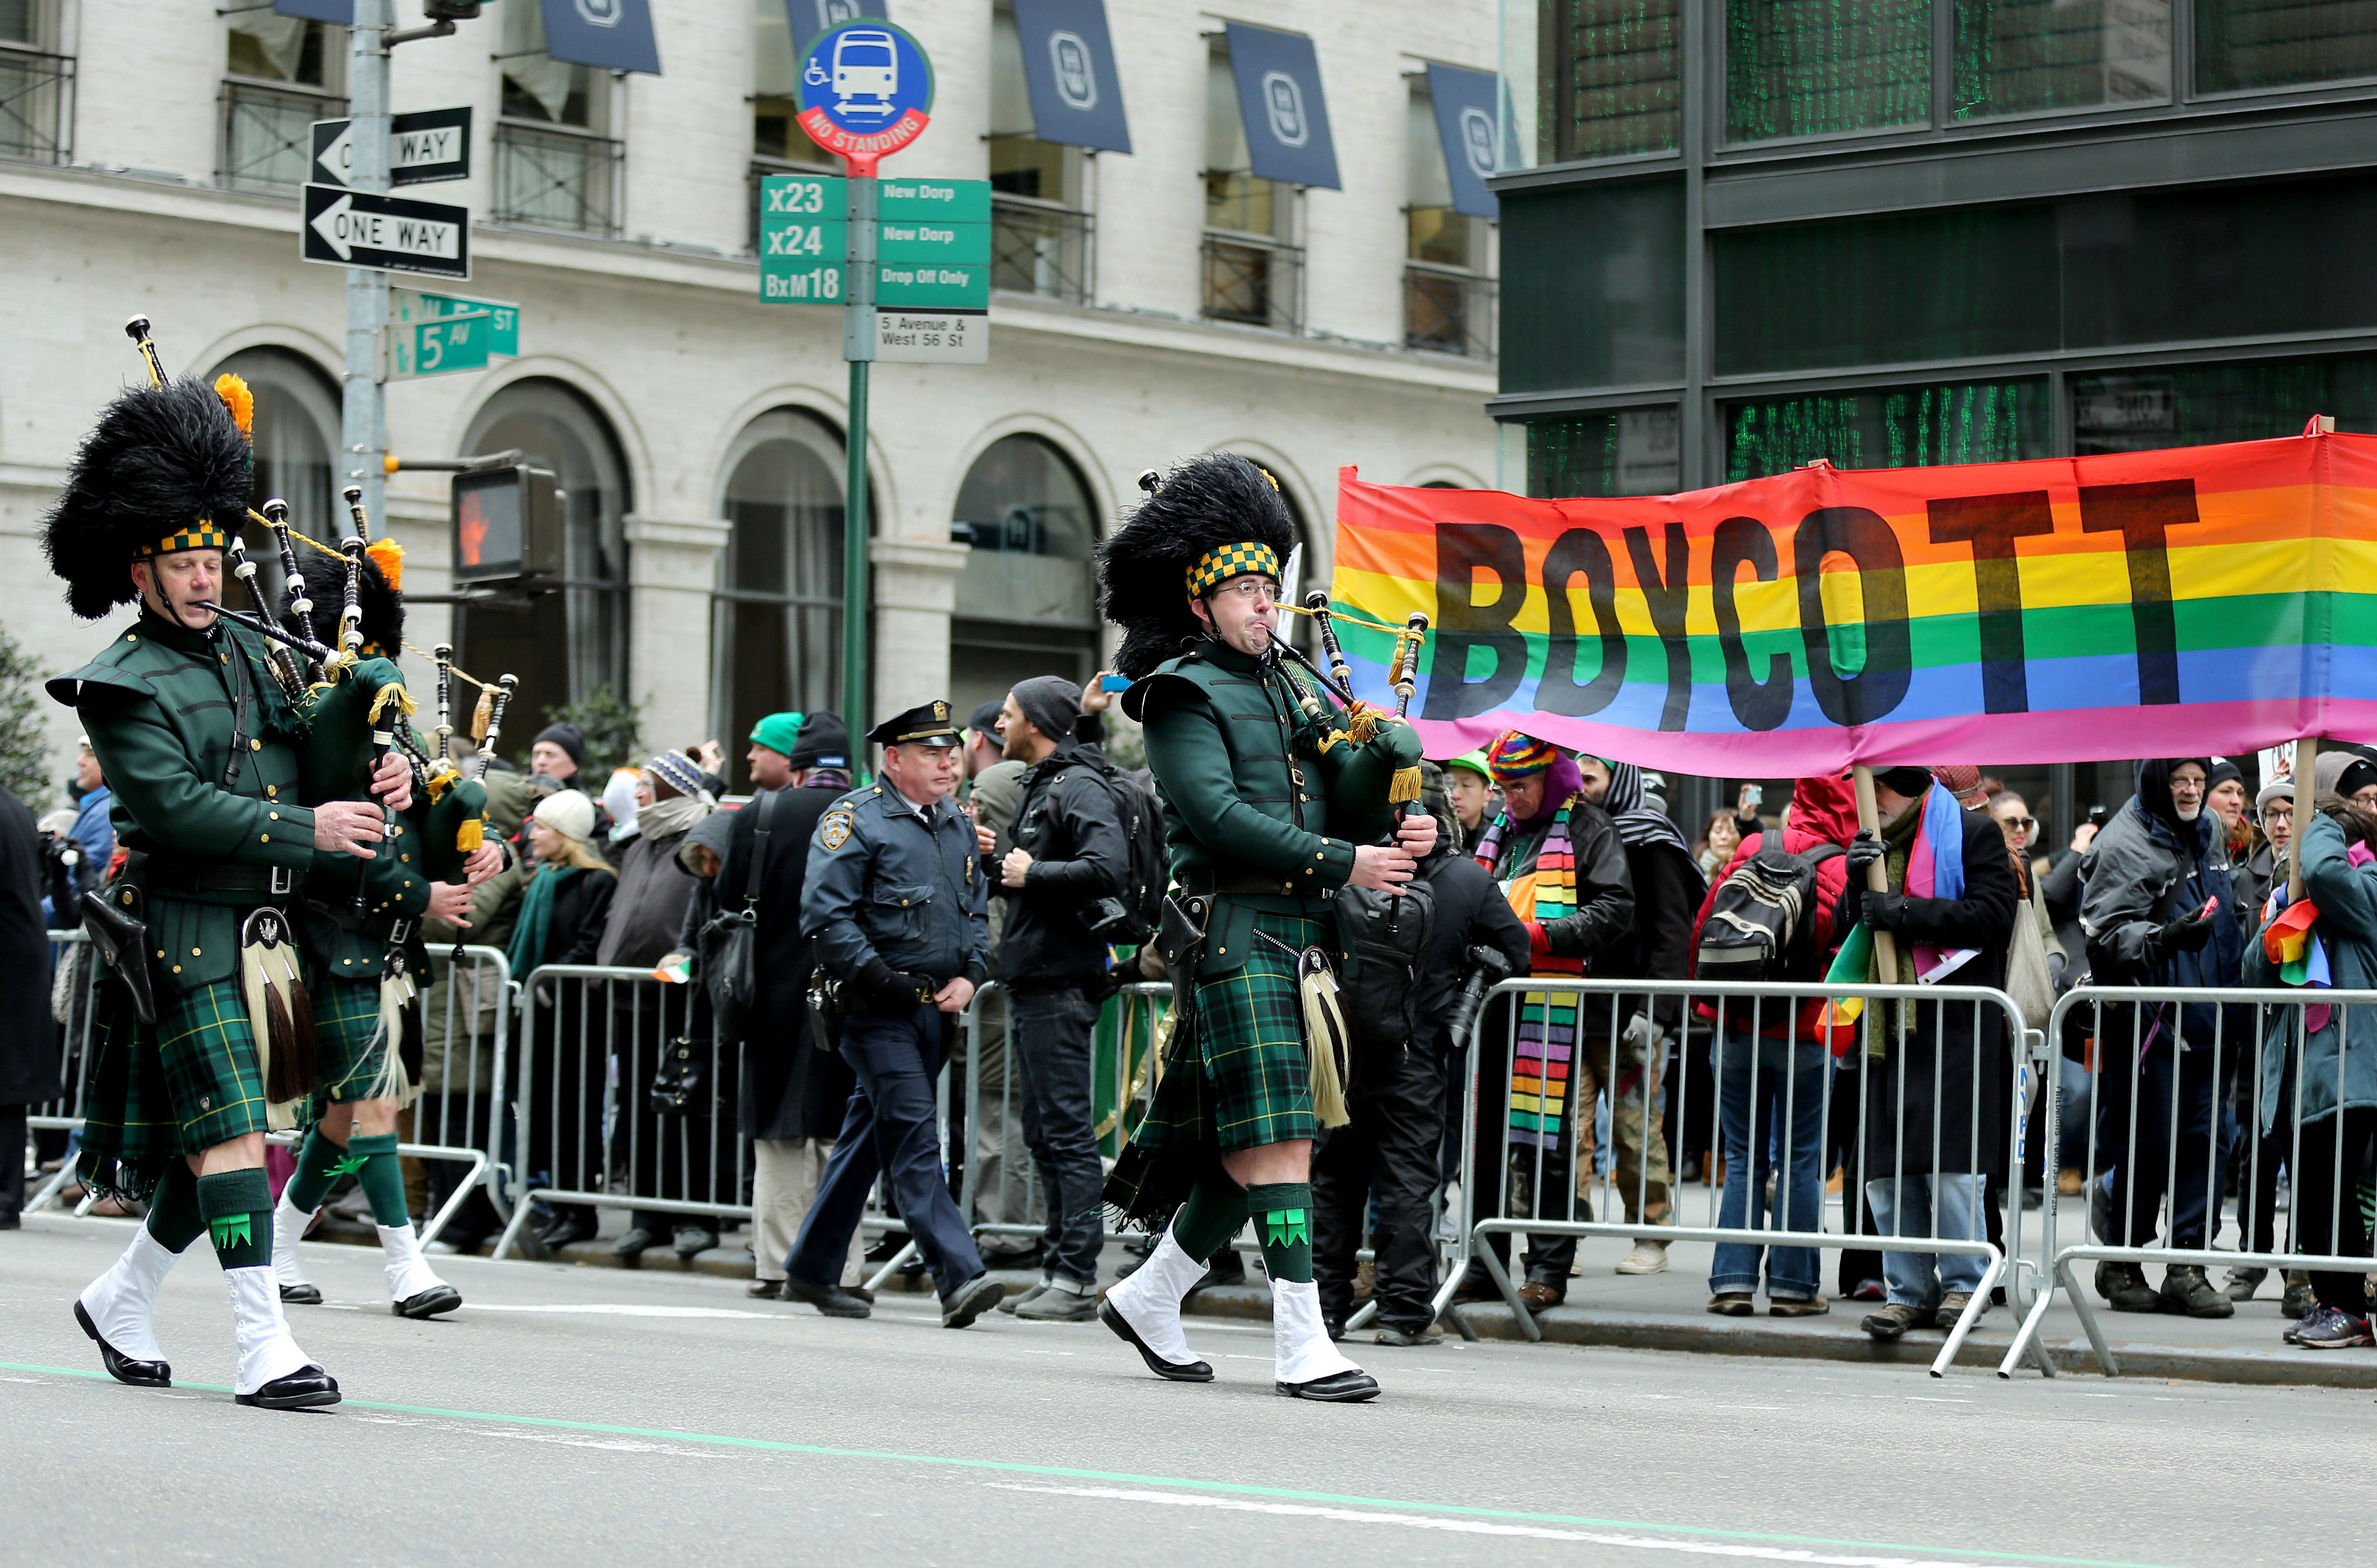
1067, 822
790, 1088
1940, 1063
29, 1036
1470, 912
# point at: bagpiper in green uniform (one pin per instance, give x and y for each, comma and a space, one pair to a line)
199, 740
360, 1028
1249, 761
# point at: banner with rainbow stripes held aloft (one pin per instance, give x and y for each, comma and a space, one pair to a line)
2209, 599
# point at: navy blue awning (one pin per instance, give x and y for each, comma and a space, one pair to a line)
1465, 121
613, 35
340, 11
810, 18
1069, 66
1280, 102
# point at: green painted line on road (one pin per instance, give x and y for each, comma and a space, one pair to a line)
1225, 1488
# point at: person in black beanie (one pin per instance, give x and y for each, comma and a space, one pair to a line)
559, 752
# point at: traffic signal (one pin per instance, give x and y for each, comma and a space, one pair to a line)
451, 10
509, 528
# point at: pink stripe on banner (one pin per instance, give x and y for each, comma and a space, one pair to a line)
2087, 734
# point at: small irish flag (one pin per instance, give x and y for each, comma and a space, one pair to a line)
674, 970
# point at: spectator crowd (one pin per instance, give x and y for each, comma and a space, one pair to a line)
741, 1081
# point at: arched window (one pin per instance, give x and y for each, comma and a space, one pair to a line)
776, 615
296, 452
1027, 598
566, 646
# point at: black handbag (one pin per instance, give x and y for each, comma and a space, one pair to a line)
682, 1083
727, 948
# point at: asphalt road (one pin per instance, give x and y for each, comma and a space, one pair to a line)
597, 1416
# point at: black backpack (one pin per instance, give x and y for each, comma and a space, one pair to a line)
1388, 934
1760, 928
1145, 876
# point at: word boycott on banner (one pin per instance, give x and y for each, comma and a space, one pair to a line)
2203, 599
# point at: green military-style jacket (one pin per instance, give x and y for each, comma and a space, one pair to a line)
1238, 766
161, 705
394, 889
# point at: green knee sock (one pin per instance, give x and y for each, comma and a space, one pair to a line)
319, 1163
1211, 1218
1283, 1215
173, 1218
382, 1175
237, 1206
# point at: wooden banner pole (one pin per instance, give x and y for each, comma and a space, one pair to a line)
2306, 799
1885, 945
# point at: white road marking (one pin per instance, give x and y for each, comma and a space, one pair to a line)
1490, 1527
621, 1310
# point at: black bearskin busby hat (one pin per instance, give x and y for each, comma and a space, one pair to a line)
1213, 517
382, 603
167, 469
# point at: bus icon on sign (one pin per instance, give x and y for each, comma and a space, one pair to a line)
1076, 83
865, 72
1477, 139
1284, 102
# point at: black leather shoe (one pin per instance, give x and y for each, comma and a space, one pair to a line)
831, 1299
572, 1225
970, 1301
691, 1240
307, 1295
1337, 1388
427, 1303
123, 1367
634, 1244
306, 1387
1178, 1371
765, 1290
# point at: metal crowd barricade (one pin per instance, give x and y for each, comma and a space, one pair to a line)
466, 1046
1522, 1115
76, 971
2160, 1062
592, 1040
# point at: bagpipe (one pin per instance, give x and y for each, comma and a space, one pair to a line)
1370, 760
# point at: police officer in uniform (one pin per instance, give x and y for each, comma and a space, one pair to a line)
895, 904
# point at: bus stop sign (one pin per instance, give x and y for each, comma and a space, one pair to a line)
866, 90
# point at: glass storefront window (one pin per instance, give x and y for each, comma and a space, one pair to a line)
1625, 452
1807, 67
2193, 405
1596, 272
1890, 427
1608, 71
1027, 594
2241, 44
2024, 56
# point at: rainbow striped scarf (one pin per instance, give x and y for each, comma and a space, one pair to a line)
1545, 1044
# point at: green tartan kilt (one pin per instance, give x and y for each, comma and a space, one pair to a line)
347, 1060
1238, 1077
178, 1088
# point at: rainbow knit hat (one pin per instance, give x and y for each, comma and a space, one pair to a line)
1515, 755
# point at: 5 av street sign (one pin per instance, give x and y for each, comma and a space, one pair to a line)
422, 147
352, 228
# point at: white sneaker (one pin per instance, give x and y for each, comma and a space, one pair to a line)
267, 1353
1648, 1257
1305, 1362
1148, 1303
289, 1223
117, 1308
413, 1288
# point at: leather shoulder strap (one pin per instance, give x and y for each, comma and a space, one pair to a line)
760, 850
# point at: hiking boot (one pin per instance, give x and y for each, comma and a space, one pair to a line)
2298, 1300
1647, 1257
1540, 1296
1797, 1306
1894, 1320
2068, 1182
2124, 1288
1732, 1304
1952, 1307
2324, 1328
2186, 1292
2241, 1283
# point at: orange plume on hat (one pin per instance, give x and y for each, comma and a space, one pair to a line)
388, 556
240, 400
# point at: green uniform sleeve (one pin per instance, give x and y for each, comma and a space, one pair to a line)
1186, 751
162, 790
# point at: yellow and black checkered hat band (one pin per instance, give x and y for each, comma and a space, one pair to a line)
1224, 562
200, 535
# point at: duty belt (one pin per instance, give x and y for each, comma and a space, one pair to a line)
168, 874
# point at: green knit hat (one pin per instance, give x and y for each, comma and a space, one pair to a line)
778, 731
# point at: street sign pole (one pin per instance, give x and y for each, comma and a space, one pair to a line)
364, 403
858, 348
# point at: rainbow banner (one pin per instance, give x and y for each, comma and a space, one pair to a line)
2206, 599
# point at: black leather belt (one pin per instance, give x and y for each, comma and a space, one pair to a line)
1248, 884
168, 874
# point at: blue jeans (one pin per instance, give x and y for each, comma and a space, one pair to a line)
1902, 1207
1763, 1084
2073, 1089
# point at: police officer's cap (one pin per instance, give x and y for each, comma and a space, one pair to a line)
927, 724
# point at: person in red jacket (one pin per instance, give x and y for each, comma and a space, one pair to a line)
1777, 1075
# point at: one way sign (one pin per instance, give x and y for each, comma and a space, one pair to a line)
422, 147
351, 228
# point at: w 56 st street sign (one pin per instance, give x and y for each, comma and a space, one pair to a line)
352, 228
